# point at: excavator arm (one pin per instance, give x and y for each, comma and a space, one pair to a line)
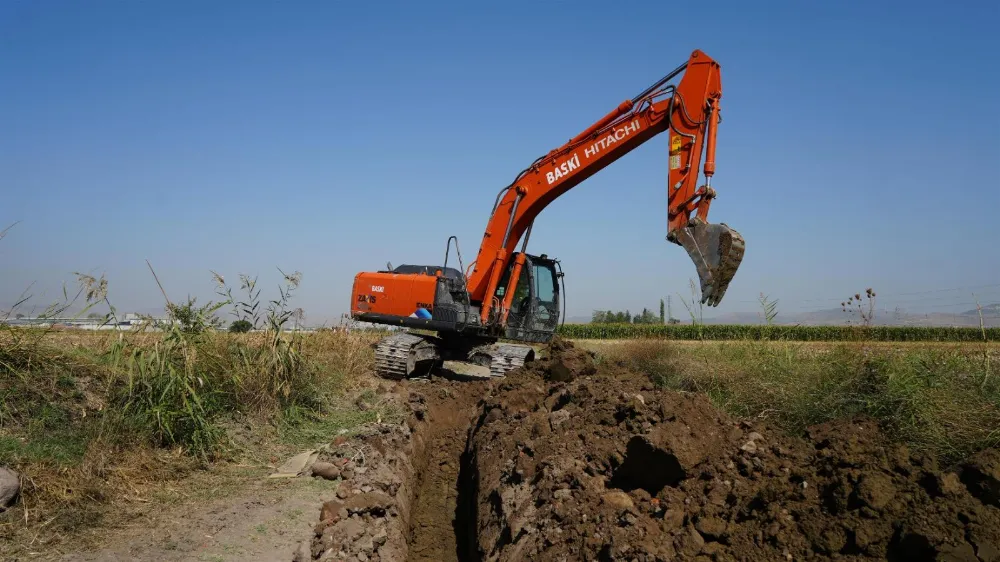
690, 111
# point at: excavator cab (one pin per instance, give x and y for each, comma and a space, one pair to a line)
534, 311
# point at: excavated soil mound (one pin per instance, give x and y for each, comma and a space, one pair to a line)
562, 362
563, 461
606, 468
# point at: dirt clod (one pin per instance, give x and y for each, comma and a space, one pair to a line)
981, 476
987, 552
303, 553
325, 470
563, 362
10, 487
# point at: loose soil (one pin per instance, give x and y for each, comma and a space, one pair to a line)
434, 531
606, 468
565, 461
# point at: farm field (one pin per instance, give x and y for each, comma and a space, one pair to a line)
742, 332
160, 446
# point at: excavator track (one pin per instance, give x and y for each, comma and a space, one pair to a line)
393, 355
504, 357
397, 356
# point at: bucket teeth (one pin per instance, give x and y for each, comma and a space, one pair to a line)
716, 251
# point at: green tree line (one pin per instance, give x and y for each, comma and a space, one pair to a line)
626, 317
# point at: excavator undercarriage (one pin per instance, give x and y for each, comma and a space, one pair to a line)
406, 355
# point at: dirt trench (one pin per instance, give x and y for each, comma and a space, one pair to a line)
564, 461
403, 493
444, 502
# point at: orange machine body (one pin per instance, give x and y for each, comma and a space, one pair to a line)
404, 295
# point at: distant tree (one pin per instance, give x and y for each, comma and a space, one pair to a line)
647, 316
95, 316
240, 326
640, 318
663, 313
19, 316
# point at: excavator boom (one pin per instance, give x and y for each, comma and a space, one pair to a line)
691, 112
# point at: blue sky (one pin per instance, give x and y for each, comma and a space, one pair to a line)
858, 147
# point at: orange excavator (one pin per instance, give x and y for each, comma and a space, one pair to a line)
478, 315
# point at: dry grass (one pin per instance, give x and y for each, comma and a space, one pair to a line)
940, 398
95, 422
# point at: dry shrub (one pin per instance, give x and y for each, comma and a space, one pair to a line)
56, 430
107, 481
346, 358
660, 360
89, 418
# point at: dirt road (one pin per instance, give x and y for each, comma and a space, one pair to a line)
246, 517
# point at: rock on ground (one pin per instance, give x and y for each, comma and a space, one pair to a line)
10, 486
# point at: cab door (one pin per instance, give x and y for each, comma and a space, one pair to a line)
534, 310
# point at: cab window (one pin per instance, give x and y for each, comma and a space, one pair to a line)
545, 286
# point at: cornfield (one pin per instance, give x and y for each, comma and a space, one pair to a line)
792, 333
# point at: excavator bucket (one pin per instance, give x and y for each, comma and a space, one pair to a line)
716, 251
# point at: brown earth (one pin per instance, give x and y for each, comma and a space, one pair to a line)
605, 467
434, 532
242, 517
563, 461
399, 490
